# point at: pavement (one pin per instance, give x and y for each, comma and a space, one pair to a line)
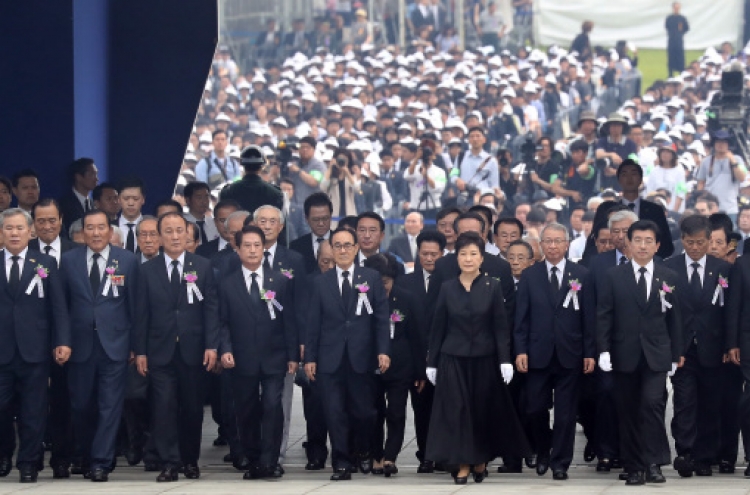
218, 478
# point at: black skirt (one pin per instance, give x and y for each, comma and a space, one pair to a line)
473, 419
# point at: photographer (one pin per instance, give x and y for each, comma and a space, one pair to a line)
306, 174
426, 181
340, 185
508, 183
547, 169
578, 176
722, 172
478, 169
612, 149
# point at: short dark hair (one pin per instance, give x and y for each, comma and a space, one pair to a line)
642, 225
431, 236
468, 239
196, 234
340, 229
132, 183
92, 213
315, 200
579, 145
629, 163
227, 203
508, 221
27, 172
168, 202
721, 221
447, 211
349, 221
373, 216
96, 194
476, 128
79, 167
249, 229
694, 225
217, 132
308, 140
484, 211
43, 203
385, 264
6, 182
192, 187
520, 242
470, 215
167, 215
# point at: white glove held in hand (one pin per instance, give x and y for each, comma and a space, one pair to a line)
506, 369
674, 368
604, 363
432, 375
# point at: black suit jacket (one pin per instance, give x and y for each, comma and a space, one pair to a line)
400, 247
303, 246
545, 327
334, 328
701, 318
163, 320
71, 210
65, 245
209, 249
259, 344
738, 311
31, 325
413, 283
408, 352
627, 326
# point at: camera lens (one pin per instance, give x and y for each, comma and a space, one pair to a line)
341, 161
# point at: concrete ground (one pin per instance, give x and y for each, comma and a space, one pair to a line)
218, 478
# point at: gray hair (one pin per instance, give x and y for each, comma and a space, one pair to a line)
256, 213
621, 216
75, 227
143, 218
12, 212
236, 214
556, 226
117, 231
419, 215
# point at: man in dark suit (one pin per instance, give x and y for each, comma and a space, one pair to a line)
348, 327
48, 222
99, 281
31, 290
222, 210
697, 384
318, 214
177, 334
405, 246
553, 341
639, 336
83, 176
430, 246
260, 345
297, 40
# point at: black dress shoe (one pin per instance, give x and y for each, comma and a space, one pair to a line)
134, 456
440, 468
377, 471
389, 469
253, 473
588, 452
168, 475
151, 467
341, 475
635, 478
683, 465
227, 458
461, 480
6, 465
276, 471
559, 475
542, 465
506, 469
479, 477
623, 476
99, 475
77, 468
747, 472
191, 471
616, 463
653, 475
220, 441
352, 469
603, 466
315, 466
241, 464
426, 467
27, 474
531, 462
60, 472
726, 467
365, 465
703, 469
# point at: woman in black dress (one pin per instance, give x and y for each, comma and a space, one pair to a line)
473, 419
407, 368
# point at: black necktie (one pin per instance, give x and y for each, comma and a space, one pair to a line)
631, 206
346, 288
130, 243
642, 284
15, 274
47, 249
554, 281
86, 205
623, 260
95, 276
320, 240
695, 280
174, 279
254, 290
201, 228
266, 262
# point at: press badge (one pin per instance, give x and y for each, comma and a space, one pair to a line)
118, 280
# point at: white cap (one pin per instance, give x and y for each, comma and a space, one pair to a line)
281, 121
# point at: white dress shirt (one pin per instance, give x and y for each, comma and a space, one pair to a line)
560, 270
412, 245
361, 257
491, 249
618, 255
9, 262
701, 269
426, 276
55, 251
222, 243
649, 275
637, 204
247, 274
180, 264
84, 200
271, 250
316, 244
339, 274
209, 226
123, 224
102, 260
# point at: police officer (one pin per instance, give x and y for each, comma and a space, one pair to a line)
251, 191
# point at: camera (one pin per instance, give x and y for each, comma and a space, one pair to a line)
426, 153
285, 153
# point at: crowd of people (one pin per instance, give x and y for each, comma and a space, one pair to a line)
379, 228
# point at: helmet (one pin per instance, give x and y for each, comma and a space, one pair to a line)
252, 156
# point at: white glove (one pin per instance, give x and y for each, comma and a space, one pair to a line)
432, 375
674, 368
506, 369
604, 363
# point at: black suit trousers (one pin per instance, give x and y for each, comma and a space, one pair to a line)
421, 404
31, 380
349, 406
517, 391
257, 403
640, 406
540, 384
177, 410
696, 423
731, 393
317, 431
607, 435
391, 399
59, 421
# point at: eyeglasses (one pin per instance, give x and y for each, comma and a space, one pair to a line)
520, 257
268, 221
346, 246
555, 242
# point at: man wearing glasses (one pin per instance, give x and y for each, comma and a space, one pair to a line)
318, 212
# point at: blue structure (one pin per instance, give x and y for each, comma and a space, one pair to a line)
116, 80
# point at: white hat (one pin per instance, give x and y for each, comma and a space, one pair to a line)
222, 117
334, 108
280, 121
205, 137
688, 128
550, 79
648, 127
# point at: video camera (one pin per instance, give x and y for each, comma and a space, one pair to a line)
528, 153
730, 109
285, 153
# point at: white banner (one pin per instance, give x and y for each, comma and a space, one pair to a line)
639, 21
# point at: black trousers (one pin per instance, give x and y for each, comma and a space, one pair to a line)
640, 406
587, 409
229, 416
391, 399
421, 404
260, 416
607, 444
349, 406
31, 381
177, 410
518, 394
731, 392
565, 383
317, 431
59, 422
696, 424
